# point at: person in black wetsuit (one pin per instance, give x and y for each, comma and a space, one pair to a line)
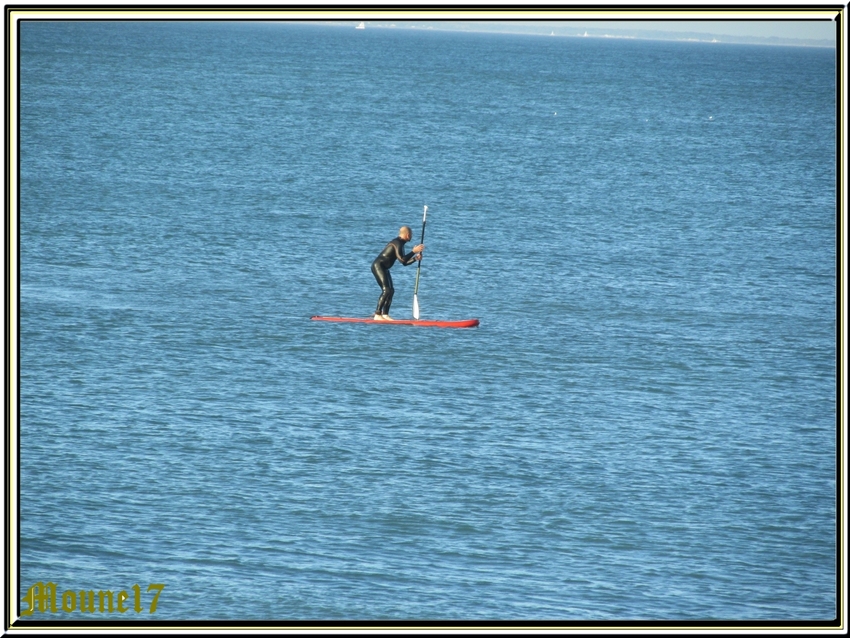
381, 269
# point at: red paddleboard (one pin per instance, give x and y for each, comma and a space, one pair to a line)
464, 323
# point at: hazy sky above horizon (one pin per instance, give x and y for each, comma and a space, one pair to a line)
820, 30
809, 30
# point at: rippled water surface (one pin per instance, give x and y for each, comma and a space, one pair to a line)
642, 427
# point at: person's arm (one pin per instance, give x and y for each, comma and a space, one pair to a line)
410, 257
416, 254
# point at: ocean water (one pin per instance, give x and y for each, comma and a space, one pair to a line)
642, 427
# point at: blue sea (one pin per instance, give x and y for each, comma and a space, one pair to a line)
643, 426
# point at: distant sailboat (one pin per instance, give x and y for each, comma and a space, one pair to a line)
362, 25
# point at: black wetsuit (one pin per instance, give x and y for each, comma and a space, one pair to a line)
381, 269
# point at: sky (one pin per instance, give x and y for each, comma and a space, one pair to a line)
821, 32
762, 29
802, 32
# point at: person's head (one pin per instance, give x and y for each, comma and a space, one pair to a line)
405, 233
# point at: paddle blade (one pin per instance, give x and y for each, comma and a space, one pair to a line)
415, 307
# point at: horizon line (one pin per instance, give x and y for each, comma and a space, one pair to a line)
658, 36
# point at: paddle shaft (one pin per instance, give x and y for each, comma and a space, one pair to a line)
419, 267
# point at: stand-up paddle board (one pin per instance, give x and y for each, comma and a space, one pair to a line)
464, 323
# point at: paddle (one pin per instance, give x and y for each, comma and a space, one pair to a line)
418, 270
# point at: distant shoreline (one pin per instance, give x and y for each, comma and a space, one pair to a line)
598, 34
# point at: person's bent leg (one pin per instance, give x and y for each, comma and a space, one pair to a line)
382, 276
388, 300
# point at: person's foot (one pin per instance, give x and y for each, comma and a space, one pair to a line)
387, 318
378, 318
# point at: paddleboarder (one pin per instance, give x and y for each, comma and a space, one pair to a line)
381, 269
